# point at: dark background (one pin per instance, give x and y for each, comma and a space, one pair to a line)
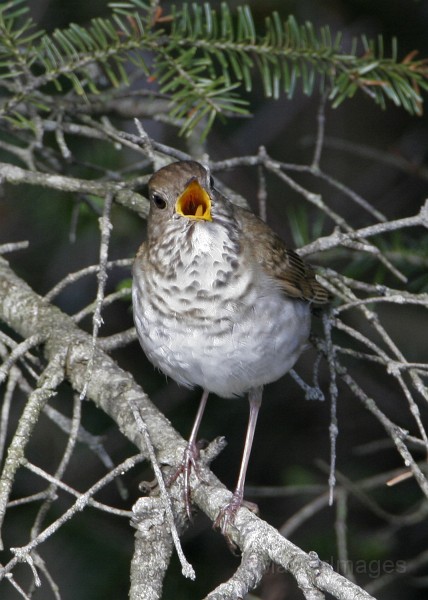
90, 556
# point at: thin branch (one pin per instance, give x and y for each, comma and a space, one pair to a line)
334, 392
23, 554
18, 352
12, 382
105, 226
186, 567
319, 142
77, 275
13, 247
47, 385
338, 237
58, 484
51, 492
126, 197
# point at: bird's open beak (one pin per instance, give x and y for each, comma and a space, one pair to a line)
194, 202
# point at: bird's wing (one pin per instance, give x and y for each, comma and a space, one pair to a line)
294, 276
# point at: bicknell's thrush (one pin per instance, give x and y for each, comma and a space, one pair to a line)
219, 301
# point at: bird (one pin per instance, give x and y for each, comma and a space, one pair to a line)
219, 301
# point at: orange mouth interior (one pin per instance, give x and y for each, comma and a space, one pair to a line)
194, 202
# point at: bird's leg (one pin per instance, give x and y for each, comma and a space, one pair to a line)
190, 456
227, 514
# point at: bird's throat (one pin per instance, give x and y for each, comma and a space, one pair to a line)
194, 202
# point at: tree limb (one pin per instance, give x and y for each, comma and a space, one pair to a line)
113, 390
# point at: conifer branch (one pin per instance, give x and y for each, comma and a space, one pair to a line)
204, 60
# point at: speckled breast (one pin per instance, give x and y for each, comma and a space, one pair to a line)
205, 317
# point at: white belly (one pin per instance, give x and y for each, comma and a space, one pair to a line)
232, 349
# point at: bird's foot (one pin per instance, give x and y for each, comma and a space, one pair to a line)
227, 514
190, 461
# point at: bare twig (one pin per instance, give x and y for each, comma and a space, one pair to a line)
126, 197
23, 554
187, 568
48, 382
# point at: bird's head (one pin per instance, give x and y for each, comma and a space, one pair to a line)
180, 191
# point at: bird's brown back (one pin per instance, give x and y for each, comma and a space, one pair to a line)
295, 277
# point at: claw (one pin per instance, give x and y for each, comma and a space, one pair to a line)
227, 515
190, 458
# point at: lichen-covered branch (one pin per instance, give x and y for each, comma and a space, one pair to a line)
114, 390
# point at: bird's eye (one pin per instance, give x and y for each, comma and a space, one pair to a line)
158, 201
211, 182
